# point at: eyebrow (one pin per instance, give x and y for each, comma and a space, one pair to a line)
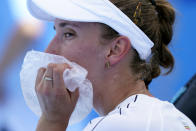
63, 24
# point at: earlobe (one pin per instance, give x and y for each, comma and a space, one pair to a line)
119, 49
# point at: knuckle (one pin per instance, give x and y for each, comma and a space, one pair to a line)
45, 92
57, 70
51, 65
42, 91
66, 66
42, 69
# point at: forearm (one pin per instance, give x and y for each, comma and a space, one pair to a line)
44, 125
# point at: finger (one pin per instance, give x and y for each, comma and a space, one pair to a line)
57, 78
75, 95
48, 76
64, 66
39, 77
58, 75
58, 82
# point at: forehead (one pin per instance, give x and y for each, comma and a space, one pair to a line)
63, 23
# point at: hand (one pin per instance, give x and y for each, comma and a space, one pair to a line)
56, 101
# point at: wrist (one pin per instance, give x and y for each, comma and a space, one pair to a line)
48, 125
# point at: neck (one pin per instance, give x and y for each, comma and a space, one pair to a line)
116, 89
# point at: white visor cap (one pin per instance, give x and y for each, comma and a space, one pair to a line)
102, 11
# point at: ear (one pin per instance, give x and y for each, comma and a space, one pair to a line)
118, 50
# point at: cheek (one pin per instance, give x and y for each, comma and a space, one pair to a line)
87, 55
81, 54
91, 59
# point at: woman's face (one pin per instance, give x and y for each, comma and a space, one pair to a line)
79, 42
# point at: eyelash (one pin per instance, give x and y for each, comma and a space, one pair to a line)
68, 33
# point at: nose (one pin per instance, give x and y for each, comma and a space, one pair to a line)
53, 47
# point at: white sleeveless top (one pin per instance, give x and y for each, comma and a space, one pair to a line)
142, 113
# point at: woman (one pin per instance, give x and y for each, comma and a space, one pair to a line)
121, 59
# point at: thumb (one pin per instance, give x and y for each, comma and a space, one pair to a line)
75, 95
